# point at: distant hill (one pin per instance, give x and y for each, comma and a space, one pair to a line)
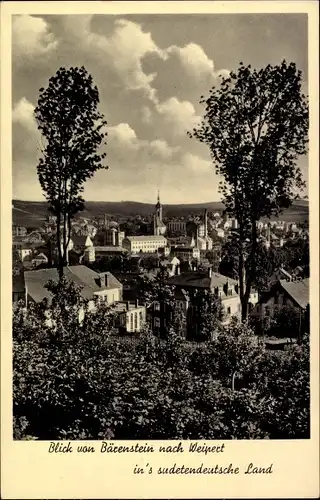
33, 213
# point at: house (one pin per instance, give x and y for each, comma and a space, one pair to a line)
94, 285
24, 251
185, 286
35, 237
81, 242
109, 236
186, 253
132, 316
222, 286
19, 230
283, 293
106, 251
130, 284
172, 265
144, 244
39, 259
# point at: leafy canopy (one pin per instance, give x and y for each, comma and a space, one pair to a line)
256, 126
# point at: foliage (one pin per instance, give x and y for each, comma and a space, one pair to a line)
17, 265
267, 262
92, 385
72, 127
256, 126
207, 314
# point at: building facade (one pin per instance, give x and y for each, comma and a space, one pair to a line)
144, 244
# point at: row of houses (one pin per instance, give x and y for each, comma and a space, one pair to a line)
124, 295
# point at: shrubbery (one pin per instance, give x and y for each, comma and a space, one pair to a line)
85, 385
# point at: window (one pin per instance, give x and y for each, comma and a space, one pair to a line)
136, 321
157, 306
131, 322
157, 322
229, 291
140, 317
228, 310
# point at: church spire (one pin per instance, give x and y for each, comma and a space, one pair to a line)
158, 199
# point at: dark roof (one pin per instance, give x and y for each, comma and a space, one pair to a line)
200, 279
80, 275
109, 248
298, 291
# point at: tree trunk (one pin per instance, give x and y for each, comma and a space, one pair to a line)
60, 257
252, 271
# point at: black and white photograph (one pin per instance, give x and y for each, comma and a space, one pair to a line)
160, 227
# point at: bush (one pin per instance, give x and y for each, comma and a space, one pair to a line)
83, 383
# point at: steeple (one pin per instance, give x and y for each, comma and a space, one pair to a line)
159, 207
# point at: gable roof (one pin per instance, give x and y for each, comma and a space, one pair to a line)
200, 279
80, 275
298, 291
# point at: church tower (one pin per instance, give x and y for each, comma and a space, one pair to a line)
159, 227
159, 208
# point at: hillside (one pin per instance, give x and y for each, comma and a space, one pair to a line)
29, 213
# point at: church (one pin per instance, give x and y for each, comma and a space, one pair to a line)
159, 228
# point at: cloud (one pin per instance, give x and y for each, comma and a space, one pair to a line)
123, 134
23, 114
193, 59
122, 51
31, 37
125, 147
179, 115
197, 164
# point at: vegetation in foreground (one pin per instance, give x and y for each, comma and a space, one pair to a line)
77, 381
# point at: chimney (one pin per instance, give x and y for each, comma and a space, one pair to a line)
103, 280
205, 223
210, 272
137, 302
127, 306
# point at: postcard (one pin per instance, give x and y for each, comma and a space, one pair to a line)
159, 250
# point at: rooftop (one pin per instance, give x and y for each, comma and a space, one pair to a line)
126, 306
80, 275
146, 238
109, 248
200, 279
298, 291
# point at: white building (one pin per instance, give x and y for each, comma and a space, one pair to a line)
144, 244
132, 316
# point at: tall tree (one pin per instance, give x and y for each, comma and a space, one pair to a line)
73, 130
256, 126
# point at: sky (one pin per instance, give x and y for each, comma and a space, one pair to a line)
151, 71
